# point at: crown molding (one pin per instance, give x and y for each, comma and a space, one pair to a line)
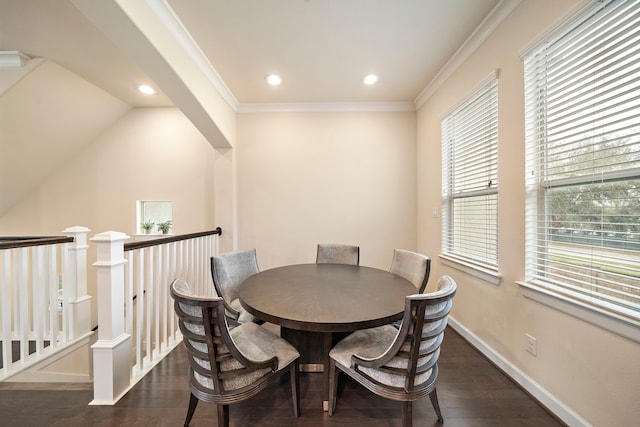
12, 59
176, 28
12, 75
325, 107
473, 42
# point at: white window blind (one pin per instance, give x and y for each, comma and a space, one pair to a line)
582, 91
470, 178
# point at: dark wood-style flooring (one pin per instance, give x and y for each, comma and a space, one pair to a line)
471, 391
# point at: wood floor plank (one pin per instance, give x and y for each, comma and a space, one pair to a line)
471, 391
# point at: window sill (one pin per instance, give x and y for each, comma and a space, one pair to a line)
612, 322
488, 275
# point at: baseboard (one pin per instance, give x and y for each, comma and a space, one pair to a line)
546, 399
35, 369
50, 377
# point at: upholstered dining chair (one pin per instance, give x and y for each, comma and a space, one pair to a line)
412, 266
229, 365
228, 271
330, 253
398, 364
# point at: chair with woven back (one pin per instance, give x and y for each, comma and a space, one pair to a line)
332, 253
226, 365
228, 271
398, 364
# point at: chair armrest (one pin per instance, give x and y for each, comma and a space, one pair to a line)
365, 362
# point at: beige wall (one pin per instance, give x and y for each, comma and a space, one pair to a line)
593, 372
47, 115
150, 154
306, 178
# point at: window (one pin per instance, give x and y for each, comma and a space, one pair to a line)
153, 213
582, 92
470, 178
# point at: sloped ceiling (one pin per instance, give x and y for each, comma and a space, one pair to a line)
46, 118
58, 31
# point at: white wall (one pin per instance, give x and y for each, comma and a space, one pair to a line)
307, 178
590, 374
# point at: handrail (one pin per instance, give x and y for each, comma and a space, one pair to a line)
44, 306
27, 241
162, 240
131, 341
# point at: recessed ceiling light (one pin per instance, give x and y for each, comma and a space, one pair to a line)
146, 89
273, 79
369, 79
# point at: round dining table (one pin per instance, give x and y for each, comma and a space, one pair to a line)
316, 304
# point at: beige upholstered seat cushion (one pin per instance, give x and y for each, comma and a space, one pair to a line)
244, 315
371, 344
259, 344
256, 344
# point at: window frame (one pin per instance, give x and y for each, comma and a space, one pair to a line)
598, 309
145, 210
484, 267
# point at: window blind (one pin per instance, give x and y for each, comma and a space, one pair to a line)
470, 178
582, 92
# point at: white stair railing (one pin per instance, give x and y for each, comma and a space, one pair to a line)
44, 306
137, 324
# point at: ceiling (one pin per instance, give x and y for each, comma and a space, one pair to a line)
321, 48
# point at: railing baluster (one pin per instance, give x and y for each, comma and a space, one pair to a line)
52, 286
128, 293
23, 301
6, 305
156, 305
174, 274
150, 322
149, 307
29, 298
163, 344
65, 296
140, 301
39, 308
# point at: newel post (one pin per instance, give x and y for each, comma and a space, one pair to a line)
112, 352
79, 313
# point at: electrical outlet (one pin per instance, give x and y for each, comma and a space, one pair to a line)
532, 344
435, 212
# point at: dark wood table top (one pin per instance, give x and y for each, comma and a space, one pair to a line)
326, 297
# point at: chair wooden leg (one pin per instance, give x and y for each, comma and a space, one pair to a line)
407, 413
333, 386
193, 402
436, 406
295, 387
223, 415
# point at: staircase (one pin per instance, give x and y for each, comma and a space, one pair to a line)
45, 331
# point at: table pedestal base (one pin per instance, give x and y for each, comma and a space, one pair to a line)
314, 350
310, 345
